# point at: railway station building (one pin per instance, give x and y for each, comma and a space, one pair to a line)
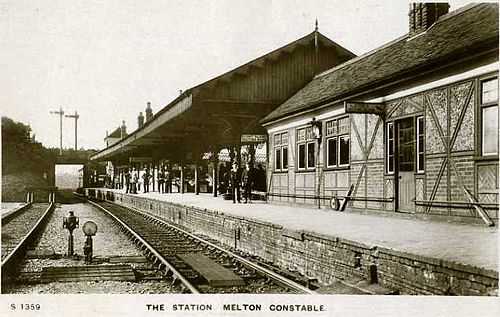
409, 130
410, 127
220, 118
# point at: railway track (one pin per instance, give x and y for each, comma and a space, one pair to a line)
192, 262
19, 231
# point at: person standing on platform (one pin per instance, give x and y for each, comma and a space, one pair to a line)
127, 182
223, 185
145, 178
133, 181
235, 183
161, 182
139, 180
168, 182
247, 182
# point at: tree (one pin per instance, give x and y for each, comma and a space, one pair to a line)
20, 153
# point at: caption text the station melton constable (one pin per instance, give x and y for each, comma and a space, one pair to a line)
237, 307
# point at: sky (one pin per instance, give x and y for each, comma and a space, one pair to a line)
106, 59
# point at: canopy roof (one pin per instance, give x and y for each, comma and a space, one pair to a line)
216, 113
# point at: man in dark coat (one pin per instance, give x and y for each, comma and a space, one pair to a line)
145, 177
235, 183
127, 182
161, 181
168, 182
247, 182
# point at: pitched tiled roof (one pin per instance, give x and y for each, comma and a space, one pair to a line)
464, 32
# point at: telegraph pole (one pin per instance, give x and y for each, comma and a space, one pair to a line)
60, 113
76, 116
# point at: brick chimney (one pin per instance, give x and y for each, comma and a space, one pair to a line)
140, 120
422, 15
123, 130
149, 112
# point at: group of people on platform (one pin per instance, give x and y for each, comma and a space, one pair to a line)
246, 179
133, 179
165, 182
234, 183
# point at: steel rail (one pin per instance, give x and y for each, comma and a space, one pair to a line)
280, 279
176, 274
21, 246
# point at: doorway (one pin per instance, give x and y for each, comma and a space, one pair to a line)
406, 146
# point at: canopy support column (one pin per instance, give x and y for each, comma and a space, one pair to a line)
215, 173
153, 176
196, 180
182, 180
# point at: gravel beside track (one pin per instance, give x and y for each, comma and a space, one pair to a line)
18, 227
102, 287
108, 242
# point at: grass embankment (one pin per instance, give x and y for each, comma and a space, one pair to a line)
14, 186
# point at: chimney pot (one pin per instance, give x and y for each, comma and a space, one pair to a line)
123, 130
140, 120
149, 112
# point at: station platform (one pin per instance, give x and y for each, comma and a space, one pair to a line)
462, 243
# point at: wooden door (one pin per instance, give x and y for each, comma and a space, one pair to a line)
406, 165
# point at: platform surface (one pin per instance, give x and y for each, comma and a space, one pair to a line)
463, 243
6, 208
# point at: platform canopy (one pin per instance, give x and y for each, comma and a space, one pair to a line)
215, 114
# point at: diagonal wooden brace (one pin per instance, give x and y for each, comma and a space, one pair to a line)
484, 215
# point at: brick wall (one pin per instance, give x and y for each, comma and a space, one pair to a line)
374, 183
432, 169
323, 257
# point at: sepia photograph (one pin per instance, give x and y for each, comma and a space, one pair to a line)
249, 158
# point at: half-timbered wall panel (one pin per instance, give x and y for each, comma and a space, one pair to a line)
420, 193
450, 165
367, 165
389, 192
436, 122
462, 96
450, 113
404, 107
487, 184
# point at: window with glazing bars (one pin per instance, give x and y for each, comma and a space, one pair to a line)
420, 145
281, 151
489, 117
337, 142
390, 148
305, 148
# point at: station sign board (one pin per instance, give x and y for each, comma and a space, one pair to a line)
140, 159
253, 138
364, 107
